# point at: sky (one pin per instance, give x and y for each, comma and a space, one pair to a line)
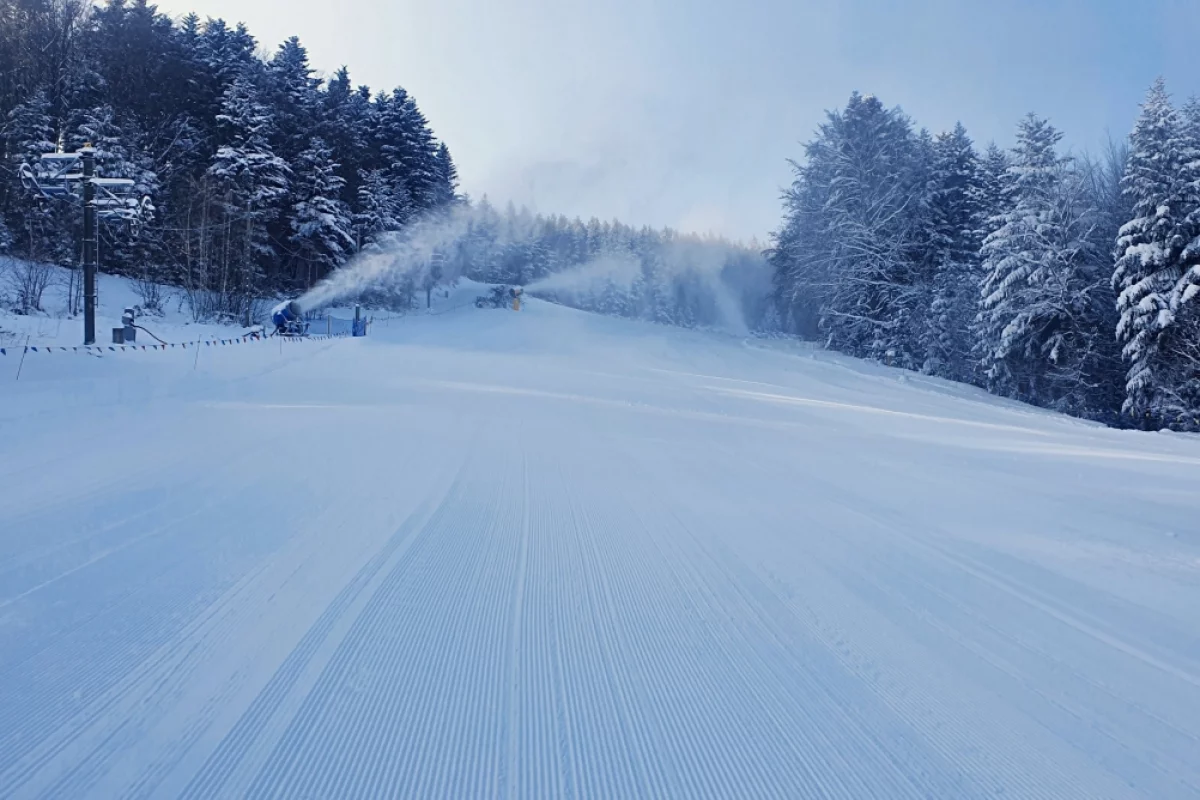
683, 113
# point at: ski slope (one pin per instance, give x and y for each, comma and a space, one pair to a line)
547, 554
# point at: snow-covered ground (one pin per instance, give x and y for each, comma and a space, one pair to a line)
113, 295
546, 554
53, 326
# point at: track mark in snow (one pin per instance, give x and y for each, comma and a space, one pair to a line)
225, 759
1030, 597
419, 673
634, 585
514, 635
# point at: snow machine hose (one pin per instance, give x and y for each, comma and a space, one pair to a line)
152, 336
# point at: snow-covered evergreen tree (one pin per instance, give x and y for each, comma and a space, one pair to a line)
382, 209
293, 98
320, 222
250, 182
1036, 323
347, 125
1017, 256
446, 186
992, 190
425, 176
953, 211
33, 222
1156, 250
853, 222
28, 131
98, 127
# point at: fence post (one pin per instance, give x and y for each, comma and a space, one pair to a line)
23, 352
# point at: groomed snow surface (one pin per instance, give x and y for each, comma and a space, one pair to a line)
551, 555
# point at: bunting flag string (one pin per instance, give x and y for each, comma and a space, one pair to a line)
49, 349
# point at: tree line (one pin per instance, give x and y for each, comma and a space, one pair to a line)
656, 275
1068, 282
263, 176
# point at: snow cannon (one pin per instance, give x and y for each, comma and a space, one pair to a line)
288, 318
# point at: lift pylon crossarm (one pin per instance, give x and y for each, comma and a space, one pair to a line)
72, 175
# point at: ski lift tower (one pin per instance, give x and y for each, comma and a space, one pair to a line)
73, 176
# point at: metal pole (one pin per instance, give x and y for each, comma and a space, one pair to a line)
88, 157
23, 352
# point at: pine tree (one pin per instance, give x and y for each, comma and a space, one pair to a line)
28, 132
404, 146
1035, 268
382, 210
32, 221
1156, 251
862, 176
250, 182
446, 186
425, 177
992, 199
131, 46
953, 212
97, 127
347, 124
539, 256
320, 222
656, 298
293, 99
84, 90
992, 191
1012, 254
